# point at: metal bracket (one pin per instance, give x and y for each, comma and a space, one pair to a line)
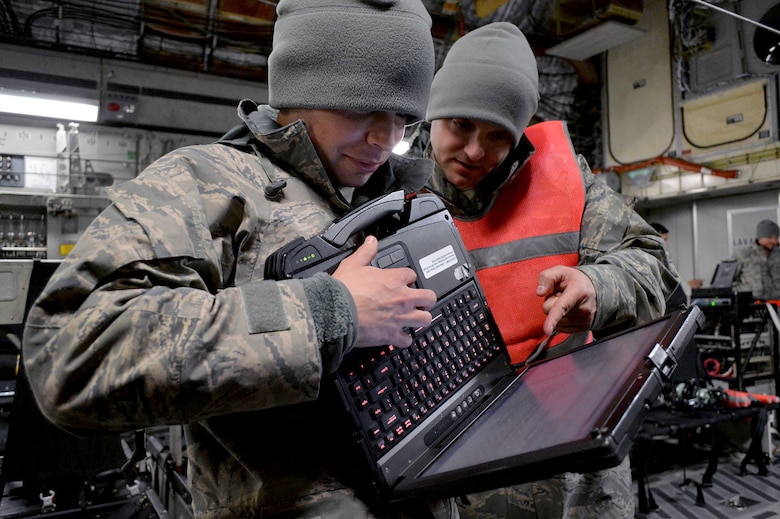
661, 359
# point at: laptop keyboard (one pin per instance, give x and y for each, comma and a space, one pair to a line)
393, 389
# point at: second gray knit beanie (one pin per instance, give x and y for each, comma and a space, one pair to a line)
490, 74
767, 229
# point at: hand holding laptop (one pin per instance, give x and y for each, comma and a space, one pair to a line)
388, 306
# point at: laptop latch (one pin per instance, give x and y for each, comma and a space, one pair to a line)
662, 360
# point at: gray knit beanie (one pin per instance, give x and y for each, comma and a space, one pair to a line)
490, 74
369, 55
767, 229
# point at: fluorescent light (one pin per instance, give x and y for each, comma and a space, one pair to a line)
49, 106
596, 40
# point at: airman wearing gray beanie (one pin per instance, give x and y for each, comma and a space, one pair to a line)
767, 229
490, 74
365, 55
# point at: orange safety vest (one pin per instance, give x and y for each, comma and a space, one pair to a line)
533, 225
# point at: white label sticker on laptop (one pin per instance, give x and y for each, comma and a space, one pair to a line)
438, 261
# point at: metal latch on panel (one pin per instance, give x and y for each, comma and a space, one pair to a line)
662, 360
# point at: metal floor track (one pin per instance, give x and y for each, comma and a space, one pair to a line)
677, 494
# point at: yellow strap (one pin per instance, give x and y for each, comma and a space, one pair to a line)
484, 8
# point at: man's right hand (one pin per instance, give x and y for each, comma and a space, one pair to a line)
386, 303
569, 300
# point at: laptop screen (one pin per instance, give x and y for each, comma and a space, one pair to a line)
570, 413
560, 402
724, 274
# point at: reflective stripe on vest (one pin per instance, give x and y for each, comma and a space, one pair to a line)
533, 225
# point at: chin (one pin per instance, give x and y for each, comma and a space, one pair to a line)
357, 180
461, 183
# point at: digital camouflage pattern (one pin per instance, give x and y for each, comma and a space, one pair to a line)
606, 494
759, 273
627, 263
160, 315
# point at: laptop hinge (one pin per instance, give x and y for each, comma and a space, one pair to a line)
662, 360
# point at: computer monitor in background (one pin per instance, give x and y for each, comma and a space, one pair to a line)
725, 274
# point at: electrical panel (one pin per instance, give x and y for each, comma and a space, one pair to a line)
723, 47
11, 171
52, 180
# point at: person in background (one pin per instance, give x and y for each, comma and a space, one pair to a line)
662, 230
548, 240
161, 313
678, 298
759, 270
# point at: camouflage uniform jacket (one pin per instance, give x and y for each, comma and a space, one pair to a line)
759, 273
621, 254
160, 315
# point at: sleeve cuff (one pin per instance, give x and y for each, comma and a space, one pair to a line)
335, 317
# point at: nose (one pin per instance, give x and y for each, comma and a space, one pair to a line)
385, 130
474, 148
